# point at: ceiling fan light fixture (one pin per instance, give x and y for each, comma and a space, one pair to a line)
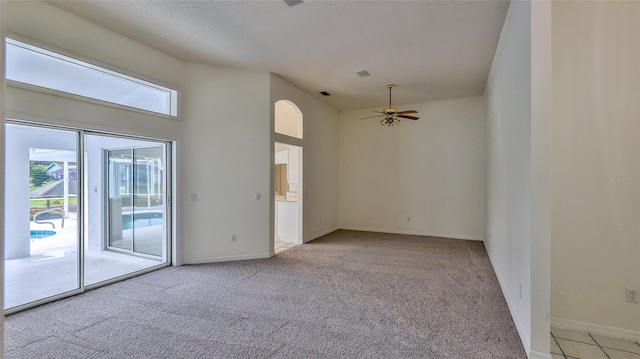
390, 121
391, 115
291, 3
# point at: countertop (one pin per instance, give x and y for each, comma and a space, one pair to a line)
284, 199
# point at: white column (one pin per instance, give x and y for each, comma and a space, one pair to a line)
149, 174
65, 179
540, 178
1, 177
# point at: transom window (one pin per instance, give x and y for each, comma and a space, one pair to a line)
36, 66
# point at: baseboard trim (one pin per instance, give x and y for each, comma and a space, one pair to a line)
611, 332
523, 338
245, 257
415, 233
318, 235
539, 355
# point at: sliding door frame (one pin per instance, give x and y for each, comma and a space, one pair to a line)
169, 190
169, 242
107, 206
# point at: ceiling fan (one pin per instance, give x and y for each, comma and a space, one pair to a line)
391, 115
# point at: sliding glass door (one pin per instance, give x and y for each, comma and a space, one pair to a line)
127, 217
120, 205
41, 247
81, 209
135, 178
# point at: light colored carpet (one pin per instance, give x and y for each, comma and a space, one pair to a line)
346, 295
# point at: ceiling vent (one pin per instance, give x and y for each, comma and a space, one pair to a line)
325, 93
292, 2
363, 73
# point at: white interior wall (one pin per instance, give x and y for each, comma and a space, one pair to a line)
596, 172
541, 146
431, 170
508, 96
225, 160
2, 172
320, 163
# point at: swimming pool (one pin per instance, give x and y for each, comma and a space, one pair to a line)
146, 219
39, 233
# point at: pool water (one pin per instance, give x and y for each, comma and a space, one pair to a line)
39, 234
143, 220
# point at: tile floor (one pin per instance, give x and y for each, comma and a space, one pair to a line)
582, 345
281, 246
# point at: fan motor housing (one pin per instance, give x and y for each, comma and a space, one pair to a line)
390, 111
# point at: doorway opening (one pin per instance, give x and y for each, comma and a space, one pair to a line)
288, 204
287, 170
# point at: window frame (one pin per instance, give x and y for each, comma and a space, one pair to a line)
64, 55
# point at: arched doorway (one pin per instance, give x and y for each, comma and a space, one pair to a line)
287, 173
288, 119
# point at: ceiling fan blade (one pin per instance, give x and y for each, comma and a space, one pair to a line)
409, 117
377, 112
408, 111
364, 118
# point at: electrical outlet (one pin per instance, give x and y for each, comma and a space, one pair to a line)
632, 295
408, 219
234, 238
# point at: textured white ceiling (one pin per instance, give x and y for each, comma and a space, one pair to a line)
431, 49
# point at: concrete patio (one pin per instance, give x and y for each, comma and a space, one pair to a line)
52, 267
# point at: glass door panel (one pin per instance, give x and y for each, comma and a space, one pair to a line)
41, 214
148, 211
126, 221
120, 205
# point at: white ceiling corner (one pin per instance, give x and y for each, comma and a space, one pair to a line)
431, 49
